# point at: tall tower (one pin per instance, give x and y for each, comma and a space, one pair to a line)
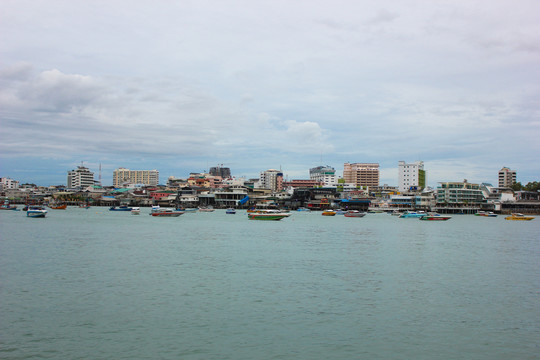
361, 174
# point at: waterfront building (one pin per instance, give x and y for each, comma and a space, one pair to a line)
411, 176
507, 177
271, 179
8, 184
324, 174
82, 177
459, 193
361, 174
146, 177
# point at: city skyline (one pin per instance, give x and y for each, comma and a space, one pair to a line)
180, 87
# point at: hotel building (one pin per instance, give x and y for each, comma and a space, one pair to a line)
146, 177
82, 177
507, 177
459, 193
324, 174
271, 179
361, 174
411, 176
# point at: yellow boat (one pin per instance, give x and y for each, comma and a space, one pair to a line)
517, 216
329, 213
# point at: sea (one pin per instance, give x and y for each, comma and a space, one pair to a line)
97, 284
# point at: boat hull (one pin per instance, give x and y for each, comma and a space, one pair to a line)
275, 217
36, 213
168, 214
435, 218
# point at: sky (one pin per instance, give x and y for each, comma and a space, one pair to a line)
181, 86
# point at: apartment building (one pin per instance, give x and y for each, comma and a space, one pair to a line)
146, 177
271, 179
507, 177
361, 174
459, 193
411, 176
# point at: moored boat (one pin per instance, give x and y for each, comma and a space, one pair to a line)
206, 209
412, 214
58, 206
36, 211
267, 215
230, 211
7, 206
486, 214
518, 216
120, 208
329, 213
435, 217
167, 212
135, 211
354, 213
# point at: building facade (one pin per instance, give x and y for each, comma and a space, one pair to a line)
146, 177
411, 176
271, 179
361, 174
223, 172
507, 177
459, 193
324, 174
82, 177
8, 184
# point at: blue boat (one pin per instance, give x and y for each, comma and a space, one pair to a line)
412, 214
120, 208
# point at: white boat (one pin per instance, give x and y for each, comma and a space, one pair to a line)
206, 209
166, 212
412, 214
230, 211
36, 212
354, 213
135, 211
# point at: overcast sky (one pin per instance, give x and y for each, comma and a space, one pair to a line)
181, 86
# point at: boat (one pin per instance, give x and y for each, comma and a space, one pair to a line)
84, 206
412, 214
486, 214
36, 211
328, 213
303, 209
135, 211
230, 211
432, 216
120, 208
354, 213
206, 209
166, 212
58, 206
518, 216
7, 206
340, 212
269, 215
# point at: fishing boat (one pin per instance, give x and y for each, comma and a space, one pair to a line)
412, 214
7, 206
329, 213
435, 217
166, 212
230, 211
268, 215
206, 209
36, 211
120, 208
518, 216
135, 211
354, 213
58, 206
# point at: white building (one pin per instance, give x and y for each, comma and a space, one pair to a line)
324, 174
8, 183
411, 176
82, 177
271, 179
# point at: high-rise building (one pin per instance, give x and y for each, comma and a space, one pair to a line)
411, 176
82, 177
271, 179
361, 174
324, 174
224, 172
146, 177
507, 177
